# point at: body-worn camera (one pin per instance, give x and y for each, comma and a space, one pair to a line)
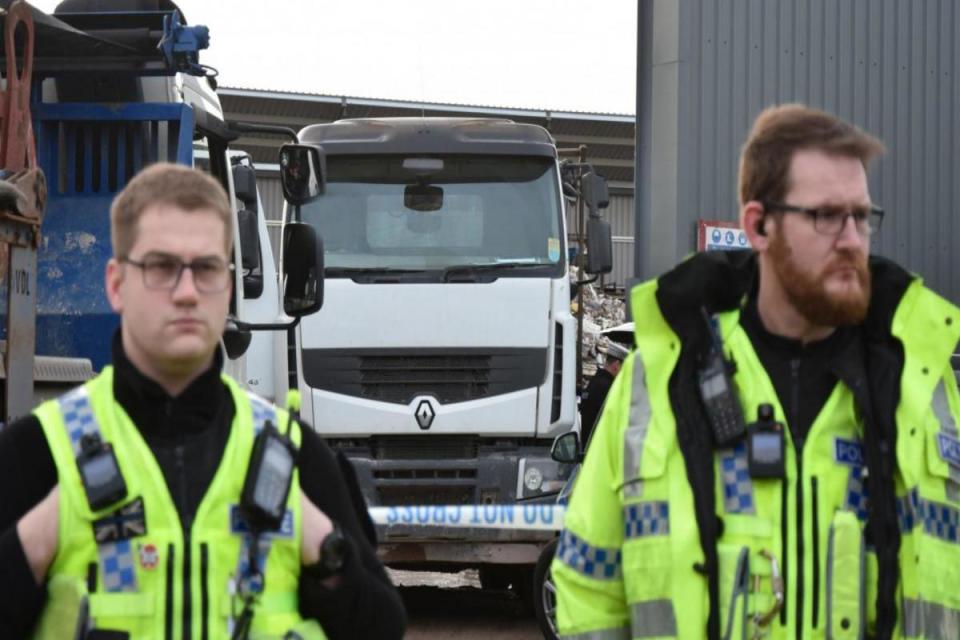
719, 397
100, 473
265, 488
765, 445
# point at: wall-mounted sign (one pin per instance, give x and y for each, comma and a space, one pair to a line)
720, 235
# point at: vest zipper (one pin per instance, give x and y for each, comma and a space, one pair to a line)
204, 593
168, 611
187, 553
798, 444
816, 552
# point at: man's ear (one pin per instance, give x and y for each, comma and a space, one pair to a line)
113, 278
754, 222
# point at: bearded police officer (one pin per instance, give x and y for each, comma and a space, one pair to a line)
779, 458
124, 513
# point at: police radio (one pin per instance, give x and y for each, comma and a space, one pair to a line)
263, 501
765, 445
720, 402
99, 472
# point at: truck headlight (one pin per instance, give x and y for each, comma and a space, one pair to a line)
532, 479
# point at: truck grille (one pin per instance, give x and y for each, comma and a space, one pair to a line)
449, 375
419, 448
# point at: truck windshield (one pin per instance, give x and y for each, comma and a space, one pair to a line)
406, 215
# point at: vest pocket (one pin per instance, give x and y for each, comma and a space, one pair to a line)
647, 568
734, 579
746, 579
846, 566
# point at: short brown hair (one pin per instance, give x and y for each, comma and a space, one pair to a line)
165, 184
779, 132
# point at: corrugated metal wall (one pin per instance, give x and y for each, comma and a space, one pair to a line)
890, 66
619, 213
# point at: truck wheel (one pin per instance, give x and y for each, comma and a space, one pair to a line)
545, 593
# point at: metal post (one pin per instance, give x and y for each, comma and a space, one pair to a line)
581, 250
21, 331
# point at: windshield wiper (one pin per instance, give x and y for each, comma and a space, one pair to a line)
486, 267
369, 271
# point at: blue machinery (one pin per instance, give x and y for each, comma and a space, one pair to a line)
89, 144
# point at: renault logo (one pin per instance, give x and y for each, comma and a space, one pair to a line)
425, 414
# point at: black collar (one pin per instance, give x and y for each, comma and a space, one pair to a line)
153, 410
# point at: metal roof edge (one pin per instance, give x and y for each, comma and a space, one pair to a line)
433, 106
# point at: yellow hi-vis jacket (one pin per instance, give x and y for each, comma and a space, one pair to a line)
143, 571
629, 561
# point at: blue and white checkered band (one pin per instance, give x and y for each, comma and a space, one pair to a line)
262, 411
848, 452
598, 563
949, 449
939, 520
78, 418
737, 484
254, 583
116, 566
856, 500
646, 519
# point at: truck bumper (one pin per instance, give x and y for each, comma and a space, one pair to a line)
495, 476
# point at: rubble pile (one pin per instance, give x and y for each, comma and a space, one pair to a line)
600, 311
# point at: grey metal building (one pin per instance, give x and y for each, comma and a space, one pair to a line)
706, 69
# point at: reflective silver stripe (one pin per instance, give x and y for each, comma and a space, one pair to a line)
636, 432
263, 411
620, 633
930, 621
942, 409
953, 491
653, 619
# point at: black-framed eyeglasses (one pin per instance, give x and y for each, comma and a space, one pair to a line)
163, 272
830, 221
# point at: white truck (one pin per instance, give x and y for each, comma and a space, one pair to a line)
444, 361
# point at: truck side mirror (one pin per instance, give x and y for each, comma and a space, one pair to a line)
303, 172
236, 341
245, 186
595, 192
566, 448
302, 270
599, 246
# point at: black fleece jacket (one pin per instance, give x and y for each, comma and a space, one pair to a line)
187, 435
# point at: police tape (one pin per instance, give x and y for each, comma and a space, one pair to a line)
533, 517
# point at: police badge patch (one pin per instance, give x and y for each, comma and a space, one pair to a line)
949, 449
149, 556
848, 452
127, 522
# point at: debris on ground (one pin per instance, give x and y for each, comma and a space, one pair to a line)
600, 311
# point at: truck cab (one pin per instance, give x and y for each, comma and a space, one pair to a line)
444, 361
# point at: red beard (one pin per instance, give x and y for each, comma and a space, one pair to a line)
806, 291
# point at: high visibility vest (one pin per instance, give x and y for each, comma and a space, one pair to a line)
629, 562
141, 571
